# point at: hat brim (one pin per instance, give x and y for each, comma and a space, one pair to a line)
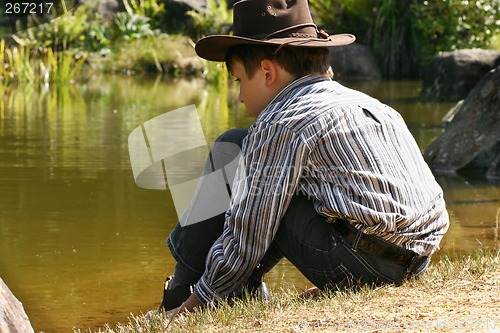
214, 48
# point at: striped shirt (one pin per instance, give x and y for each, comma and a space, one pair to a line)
353, 155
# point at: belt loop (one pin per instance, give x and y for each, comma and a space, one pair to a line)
355, 243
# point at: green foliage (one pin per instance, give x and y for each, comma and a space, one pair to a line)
395, 40
455, 24
217, 19
66, 31
84, 28
495, 42
353, 16
215, 72
131, 27
99, 37
405, 35
146, 8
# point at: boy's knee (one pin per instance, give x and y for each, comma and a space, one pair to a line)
233, 135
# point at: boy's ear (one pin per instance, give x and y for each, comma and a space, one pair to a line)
270, 69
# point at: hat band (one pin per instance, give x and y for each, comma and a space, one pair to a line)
295, 32
300, 42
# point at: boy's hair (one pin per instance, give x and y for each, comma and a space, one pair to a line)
299, 61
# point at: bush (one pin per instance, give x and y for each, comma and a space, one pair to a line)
455, 24
405, 35
63, 32
151, 9
131, 27
215, 20
147, 55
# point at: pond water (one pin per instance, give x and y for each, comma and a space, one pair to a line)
82, 245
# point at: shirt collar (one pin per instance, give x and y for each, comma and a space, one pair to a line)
296, 83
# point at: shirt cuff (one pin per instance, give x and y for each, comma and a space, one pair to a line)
205, 293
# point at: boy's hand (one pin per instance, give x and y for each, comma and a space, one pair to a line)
310, 292
191, 303
188, 306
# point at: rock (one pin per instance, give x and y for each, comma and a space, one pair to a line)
493, 171
354, 62
452, 75
470, 142
13, 319
105, 7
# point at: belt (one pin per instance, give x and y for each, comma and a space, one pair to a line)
376, 246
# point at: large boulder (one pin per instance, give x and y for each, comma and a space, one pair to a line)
354, 62
470, 142
451, 75
13, 319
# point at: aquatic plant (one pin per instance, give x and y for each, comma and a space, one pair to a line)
28, 64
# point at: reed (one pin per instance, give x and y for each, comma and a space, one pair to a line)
395, 39
28, 64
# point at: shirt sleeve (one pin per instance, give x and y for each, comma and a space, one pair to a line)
267, 176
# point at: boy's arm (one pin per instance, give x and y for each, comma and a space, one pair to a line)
265, 182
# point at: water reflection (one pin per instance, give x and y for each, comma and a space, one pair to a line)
82, 245
473, 206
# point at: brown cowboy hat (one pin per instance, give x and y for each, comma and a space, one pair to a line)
271, 22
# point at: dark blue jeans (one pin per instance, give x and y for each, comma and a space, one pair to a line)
316, 247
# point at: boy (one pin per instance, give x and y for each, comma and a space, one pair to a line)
328, 177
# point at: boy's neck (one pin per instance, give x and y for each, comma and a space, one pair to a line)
281, 78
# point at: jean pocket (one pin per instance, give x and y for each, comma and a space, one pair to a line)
349, 268
337, 277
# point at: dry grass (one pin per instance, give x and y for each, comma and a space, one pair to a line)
454, 296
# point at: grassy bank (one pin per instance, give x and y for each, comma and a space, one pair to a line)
172, 55
459, 295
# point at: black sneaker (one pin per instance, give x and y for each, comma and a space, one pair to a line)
258, 290
254, 287
174, 297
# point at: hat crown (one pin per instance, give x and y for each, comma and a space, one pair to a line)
263, 19
270, 22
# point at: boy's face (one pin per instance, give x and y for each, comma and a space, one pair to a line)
254, 92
